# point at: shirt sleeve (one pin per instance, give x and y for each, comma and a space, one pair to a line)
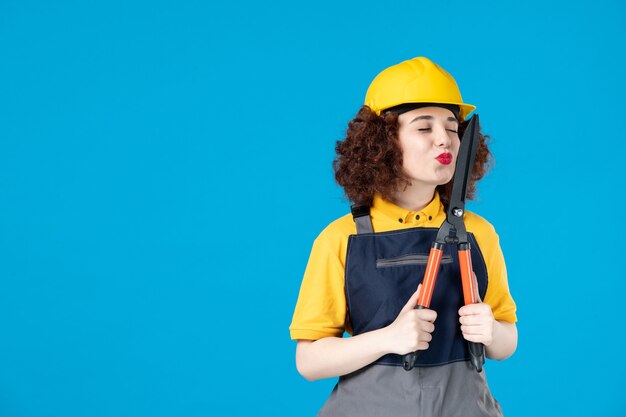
321, 307
498, 295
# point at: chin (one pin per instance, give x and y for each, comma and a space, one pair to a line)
444, 180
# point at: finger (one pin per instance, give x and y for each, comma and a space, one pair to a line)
427, 327
412, 301
468, 310
472, 330
425, 337
473, 338
474, 309
427, 315
472, 320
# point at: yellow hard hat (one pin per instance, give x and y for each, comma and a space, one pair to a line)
418, 80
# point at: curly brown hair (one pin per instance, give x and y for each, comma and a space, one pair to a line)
369, 159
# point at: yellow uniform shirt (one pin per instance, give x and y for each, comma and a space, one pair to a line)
321, 310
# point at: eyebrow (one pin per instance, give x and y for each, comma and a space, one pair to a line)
449, 119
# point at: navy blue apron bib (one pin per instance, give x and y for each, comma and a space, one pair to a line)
384, 269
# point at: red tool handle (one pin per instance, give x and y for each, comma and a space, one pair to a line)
470, 290
430, 275
426, 293
471, 296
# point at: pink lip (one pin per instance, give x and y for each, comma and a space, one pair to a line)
445, 158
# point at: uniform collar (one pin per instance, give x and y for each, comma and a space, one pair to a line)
386, 210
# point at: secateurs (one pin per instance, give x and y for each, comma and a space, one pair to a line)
452, 231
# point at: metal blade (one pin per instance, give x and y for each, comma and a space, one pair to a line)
463, 169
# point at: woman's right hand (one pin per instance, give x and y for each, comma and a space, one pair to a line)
411, 330
335, 356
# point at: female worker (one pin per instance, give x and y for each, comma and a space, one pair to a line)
397, 161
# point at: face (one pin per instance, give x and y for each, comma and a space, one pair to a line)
430, 144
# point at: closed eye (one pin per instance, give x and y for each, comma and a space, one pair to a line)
428, 129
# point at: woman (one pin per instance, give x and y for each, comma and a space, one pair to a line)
398, 159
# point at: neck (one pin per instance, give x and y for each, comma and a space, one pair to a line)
413, 197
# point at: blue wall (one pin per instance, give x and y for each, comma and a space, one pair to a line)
165, 167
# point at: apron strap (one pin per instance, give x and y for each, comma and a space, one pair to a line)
361, 216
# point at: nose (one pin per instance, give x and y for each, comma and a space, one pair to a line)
442, 138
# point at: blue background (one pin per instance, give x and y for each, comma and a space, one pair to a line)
165, 167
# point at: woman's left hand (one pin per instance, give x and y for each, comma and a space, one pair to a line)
477, 323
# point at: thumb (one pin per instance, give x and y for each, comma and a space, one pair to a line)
412, 301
